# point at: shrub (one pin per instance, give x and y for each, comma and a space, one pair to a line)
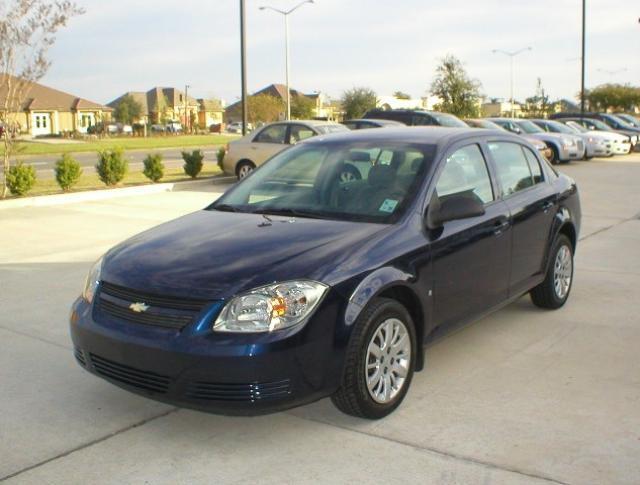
193, 163
153, 167
21, 178
220, 156
68, 172
112, 166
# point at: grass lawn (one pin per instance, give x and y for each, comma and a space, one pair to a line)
92, 182
128, 143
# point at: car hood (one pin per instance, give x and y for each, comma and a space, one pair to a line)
213, 254
557, 137
539, 144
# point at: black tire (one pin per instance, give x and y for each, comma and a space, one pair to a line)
545, 295
244, 168
555, 156
353, 395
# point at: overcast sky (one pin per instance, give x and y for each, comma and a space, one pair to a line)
119, 46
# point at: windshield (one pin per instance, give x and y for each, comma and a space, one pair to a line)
325, 129
576, 126
600, 125
529, 127
618, 121
449, 120
560, 128
368, 182
630, 119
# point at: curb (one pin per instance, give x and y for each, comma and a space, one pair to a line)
104, 194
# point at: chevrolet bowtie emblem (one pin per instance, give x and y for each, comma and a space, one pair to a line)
138, 307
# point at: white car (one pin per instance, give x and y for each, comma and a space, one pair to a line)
620, 144
236, 127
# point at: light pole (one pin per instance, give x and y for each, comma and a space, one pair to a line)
511, 55
285, 14
582, 57
186, 107
243, 66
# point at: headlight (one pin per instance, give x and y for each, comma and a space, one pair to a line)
91, 284
568, 142
591, 139
271, 307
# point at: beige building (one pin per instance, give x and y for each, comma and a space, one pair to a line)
162, 105
46, 111
501, 109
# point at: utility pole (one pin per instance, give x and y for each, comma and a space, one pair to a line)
584, 24
243, 66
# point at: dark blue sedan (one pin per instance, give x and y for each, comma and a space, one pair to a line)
299, 283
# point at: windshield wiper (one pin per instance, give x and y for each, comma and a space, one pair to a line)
293, 212
226, 208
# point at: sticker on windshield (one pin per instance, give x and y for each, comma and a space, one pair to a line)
388, 205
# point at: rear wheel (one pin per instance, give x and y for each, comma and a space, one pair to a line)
380, 361
244, 168
554, 291
555, 156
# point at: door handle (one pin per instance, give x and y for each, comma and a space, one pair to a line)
500, 226
546, 207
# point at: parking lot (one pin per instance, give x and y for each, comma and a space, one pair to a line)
522, 396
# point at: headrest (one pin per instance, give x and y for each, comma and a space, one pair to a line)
416, 165
359, 157
381, 175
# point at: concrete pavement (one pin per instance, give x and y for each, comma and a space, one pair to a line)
522, 396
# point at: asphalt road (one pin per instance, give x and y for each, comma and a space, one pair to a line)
521, 396
172, 157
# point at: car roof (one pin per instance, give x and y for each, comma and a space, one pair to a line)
374, 120
431, 135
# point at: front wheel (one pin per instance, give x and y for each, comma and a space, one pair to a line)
555, 155
554, 291
380, 361
244, 169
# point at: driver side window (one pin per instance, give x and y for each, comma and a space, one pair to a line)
465, 173
272, 134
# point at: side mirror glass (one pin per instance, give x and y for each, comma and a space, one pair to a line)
454, 207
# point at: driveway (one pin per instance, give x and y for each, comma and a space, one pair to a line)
521, 396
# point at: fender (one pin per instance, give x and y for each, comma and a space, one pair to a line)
375, 284
561, 219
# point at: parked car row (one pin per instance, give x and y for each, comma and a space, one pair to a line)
559, 140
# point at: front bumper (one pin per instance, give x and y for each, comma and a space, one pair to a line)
214, 372
571, 153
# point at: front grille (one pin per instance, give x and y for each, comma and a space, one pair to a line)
163, 311
79, 357
147, 318
251, 392
149, 381
152, 299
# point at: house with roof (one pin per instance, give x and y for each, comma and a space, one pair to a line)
233, 112
161, 105
47, 111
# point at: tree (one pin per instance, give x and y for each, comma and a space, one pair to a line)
128, 110
459, 94
162, 109
357, 101
401, 95
537, 106
617, 97
27, 29
264, 108
302, 107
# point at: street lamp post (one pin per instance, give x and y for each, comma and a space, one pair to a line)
186, 108
243, 66
286, 14
511, 55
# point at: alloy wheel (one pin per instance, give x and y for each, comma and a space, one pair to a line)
562, 272
388, 360
244, 170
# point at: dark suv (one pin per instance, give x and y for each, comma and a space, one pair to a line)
412, 117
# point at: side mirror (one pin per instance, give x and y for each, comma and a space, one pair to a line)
459, 206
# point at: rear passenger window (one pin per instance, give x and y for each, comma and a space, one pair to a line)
465, 172
534, 165
512, 166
